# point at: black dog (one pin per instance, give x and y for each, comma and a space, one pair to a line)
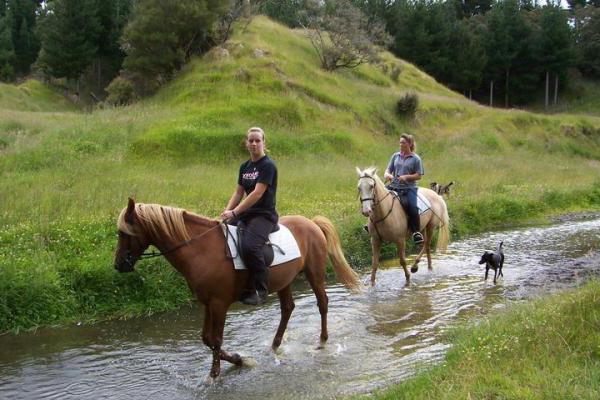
494, 260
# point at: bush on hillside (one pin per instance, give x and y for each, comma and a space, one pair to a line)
407, 105
395, 72
342, 36
120, 92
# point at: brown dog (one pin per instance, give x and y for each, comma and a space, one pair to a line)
441, 189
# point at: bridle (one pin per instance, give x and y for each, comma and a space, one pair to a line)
376, 203
130, 260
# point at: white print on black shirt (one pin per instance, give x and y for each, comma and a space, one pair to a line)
251, 176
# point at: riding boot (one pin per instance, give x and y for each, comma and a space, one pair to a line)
249, 295
257, 290
261, 283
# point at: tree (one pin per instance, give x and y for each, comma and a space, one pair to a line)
24, 36
470, 59
555, 44
288, 12
506, 42
7, 53
588, 40
341, 36
69, 32
162, 35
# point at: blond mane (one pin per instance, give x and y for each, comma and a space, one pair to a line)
157, 221
372, 172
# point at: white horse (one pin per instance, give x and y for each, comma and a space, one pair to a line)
388, 221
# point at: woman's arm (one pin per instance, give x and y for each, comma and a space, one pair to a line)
235, 207
235, 199
410, 178
251, 199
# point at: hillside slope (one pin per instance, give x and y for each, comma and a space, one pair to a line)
64, 176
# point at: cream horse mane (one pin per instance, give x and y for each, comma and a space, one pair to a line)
371, 172
160, 221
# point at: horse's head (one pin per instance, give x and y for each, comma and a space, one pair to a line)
132, 241
366, 189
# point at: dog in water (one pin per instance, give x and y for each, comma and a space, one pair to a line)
441, 189
493, 260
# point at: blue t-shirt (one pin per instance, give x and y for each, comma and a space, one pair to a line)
407, 165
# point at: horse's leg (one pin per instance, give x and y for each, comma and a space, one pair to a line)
218, 312
375, 250
316, 279
286, 302
401, 255
428, 238
426, 248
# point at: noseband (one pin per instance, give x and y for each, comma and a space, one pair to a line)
376, 203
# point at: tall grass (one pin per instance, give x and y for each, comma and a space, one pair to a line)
64, 175
549, 349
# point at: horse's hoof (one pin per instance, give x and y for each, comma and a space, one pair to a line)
249, 362
414, 269
210, 380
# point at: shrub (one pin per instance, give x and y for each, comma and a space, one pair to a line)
407, 105
395, 72
120, 92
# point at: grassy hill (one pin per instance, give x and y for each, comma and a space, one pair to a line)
65, 175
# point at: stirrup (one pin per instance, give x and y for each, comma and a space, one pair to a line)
417, 238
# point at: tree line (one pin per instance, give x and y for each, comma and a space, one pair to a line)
502, 52
499, 52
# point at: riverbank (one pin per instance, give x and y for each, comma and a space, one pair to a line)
65, 175
546, 349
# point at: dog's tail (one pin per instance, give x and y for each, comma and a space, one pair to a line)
450, 184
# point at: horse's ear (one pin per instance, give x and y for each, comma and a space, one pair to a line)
130, 213
358, 171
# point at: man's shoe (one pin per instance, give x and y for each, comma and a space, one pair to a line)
417, 238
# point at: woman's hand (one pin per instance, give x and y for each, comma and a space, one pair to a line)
228, 214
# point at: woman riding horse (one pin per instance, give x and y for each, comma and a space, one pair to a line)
257, 178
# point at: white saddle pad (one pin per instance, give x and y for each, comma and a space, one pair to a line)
285, 246
422, 202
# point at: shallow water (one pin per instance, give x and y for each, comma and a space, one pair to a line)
375, 338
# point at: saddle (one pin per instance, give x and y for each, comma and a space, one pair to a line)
423, 203
267, 248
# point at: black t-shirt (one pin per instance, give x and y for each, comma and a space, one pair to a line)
261, 171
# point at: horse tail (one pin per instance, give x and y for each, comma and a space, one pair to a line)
343, 271
444, 229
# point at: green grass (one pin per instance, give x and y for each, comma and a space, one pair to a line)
33, 95
548, 349
67, 171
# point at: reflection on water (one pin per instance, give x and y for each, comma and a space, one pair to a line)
376, 338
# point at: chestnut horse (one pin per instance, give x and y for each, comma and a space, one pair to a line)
388, 221
195, 246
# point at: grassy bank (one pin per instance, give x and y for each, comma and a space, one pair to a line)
548, 349
65, 175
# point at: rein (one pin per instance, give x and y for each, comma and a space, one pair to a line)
153, 254
376, 203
